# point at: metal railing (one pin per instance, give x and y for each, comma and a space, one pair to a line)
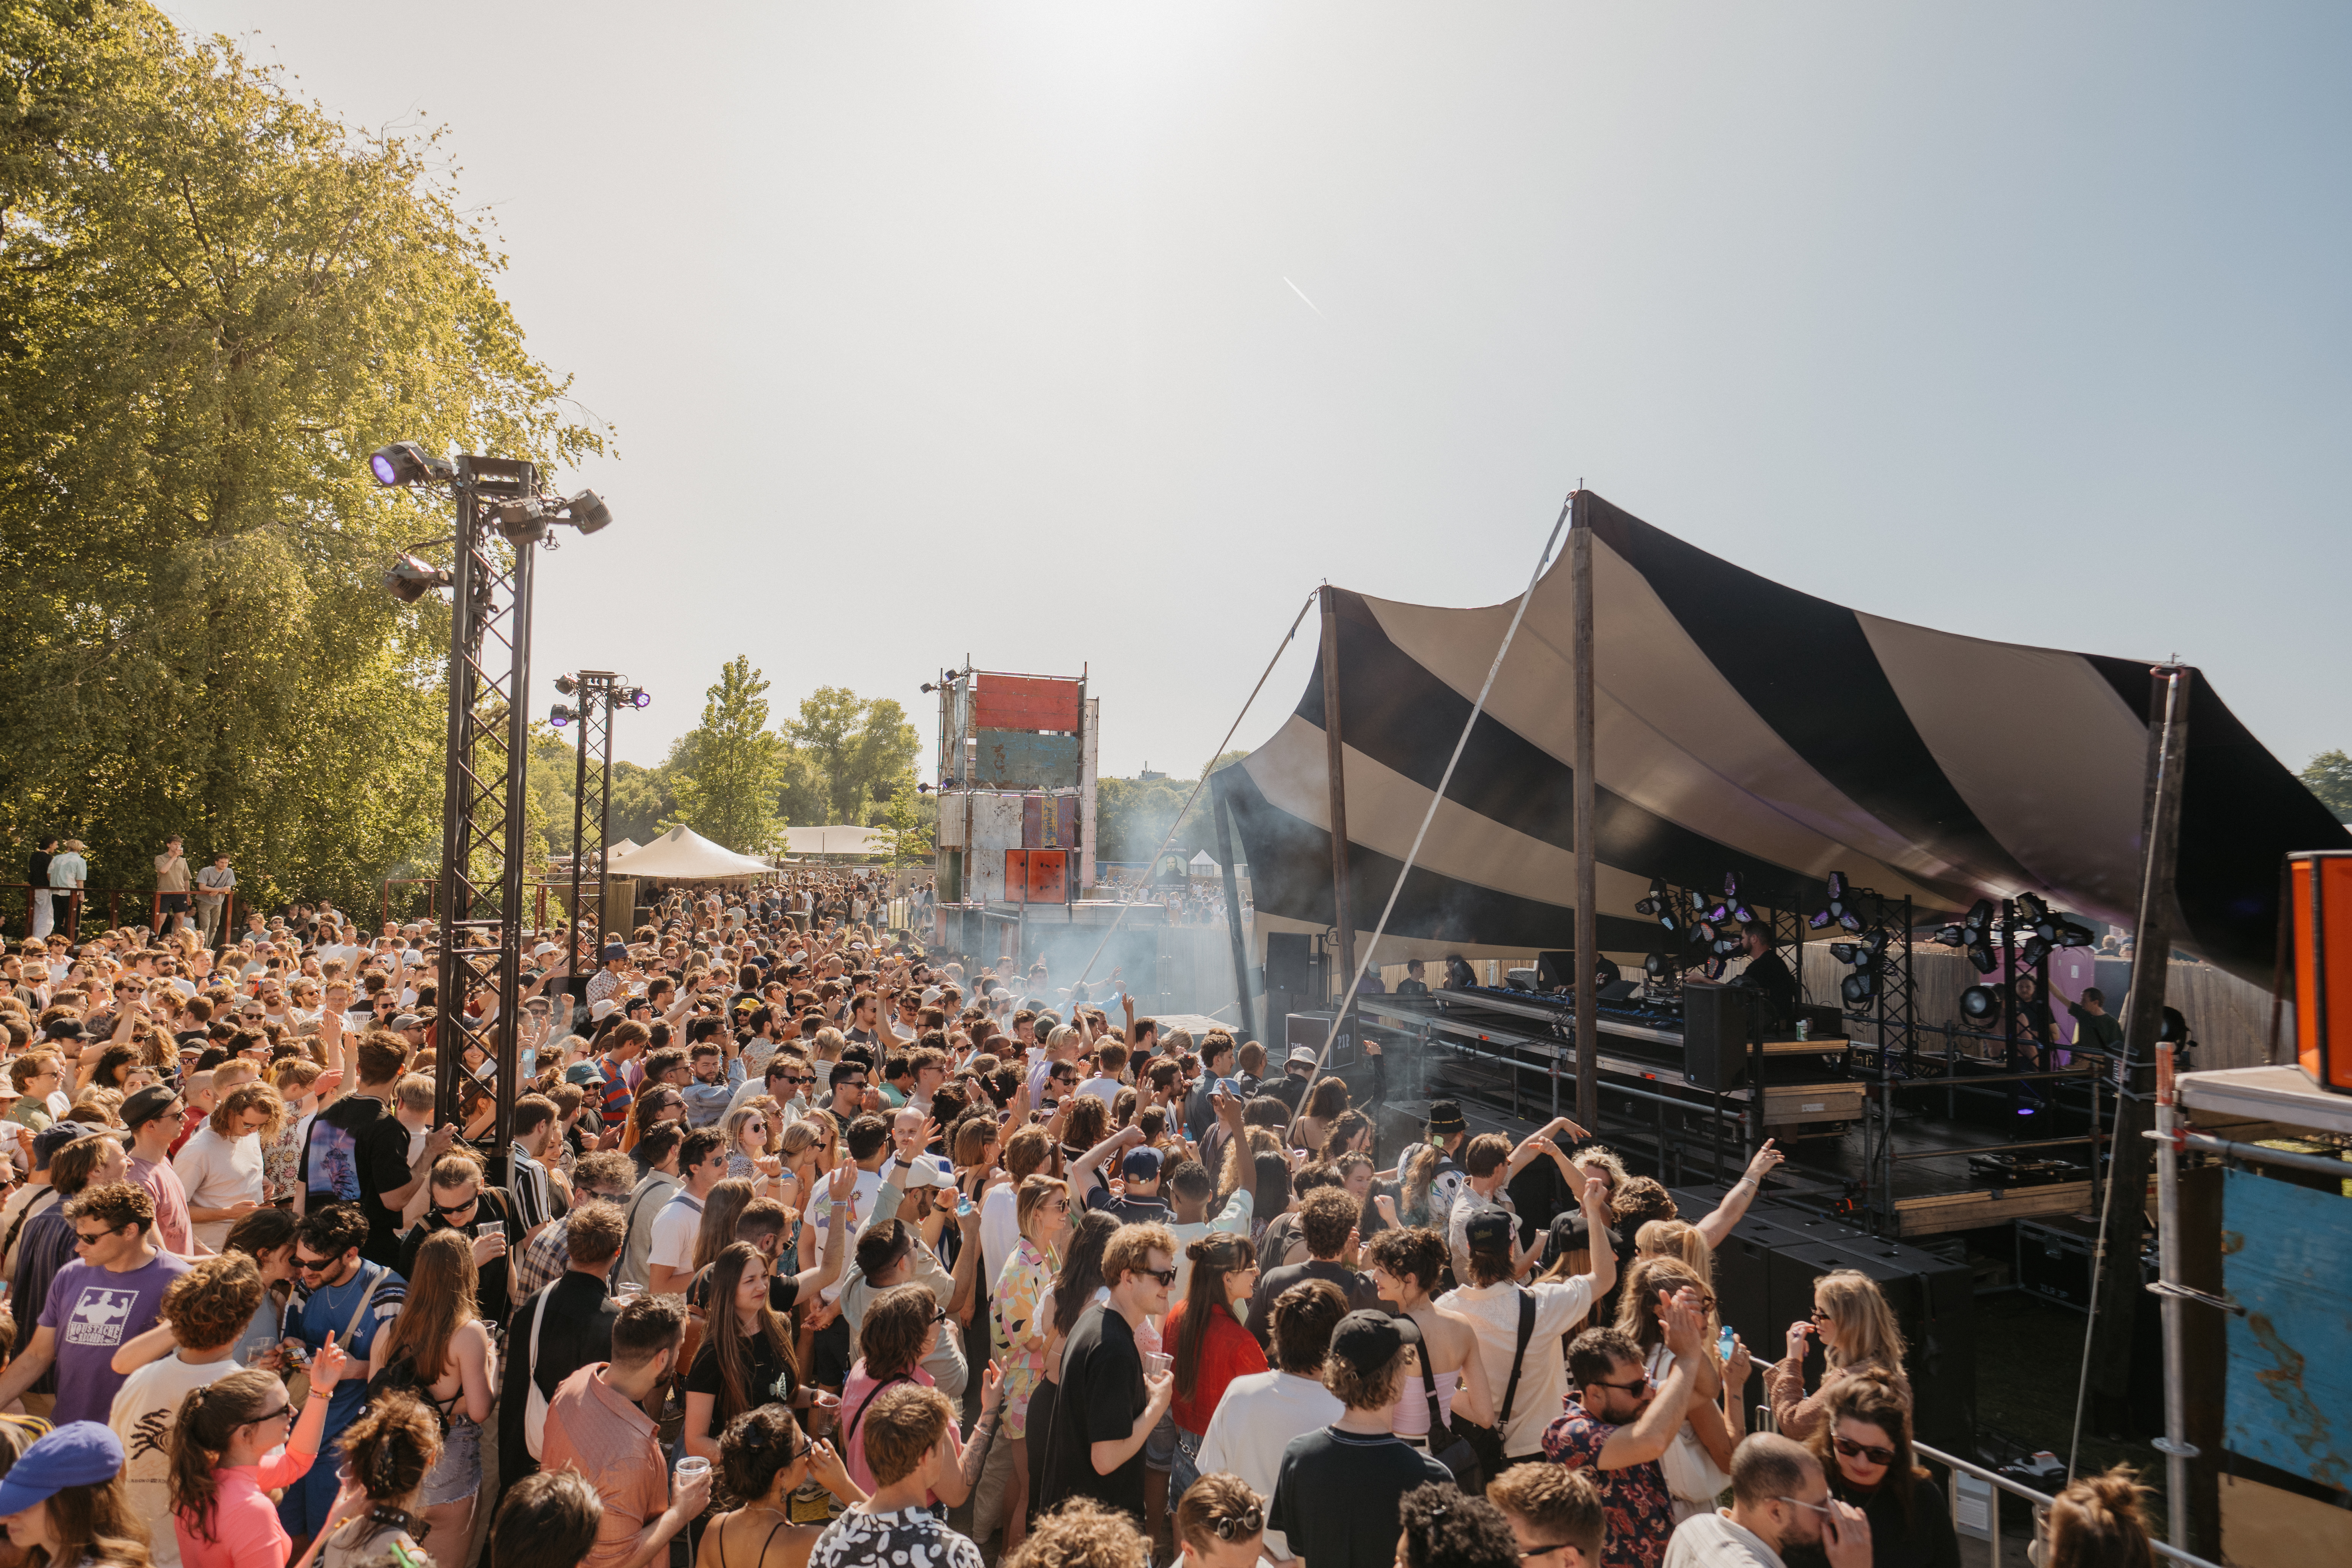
2017, 1488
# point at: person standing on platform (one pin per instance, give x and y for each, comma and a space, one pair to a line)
37, 876
215, 883
1768, 973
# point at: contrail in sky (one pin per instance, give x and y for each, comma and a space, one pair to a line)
1302, 294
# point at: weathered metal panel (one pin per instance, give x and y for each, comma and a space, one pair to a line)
1019, 758
1049, 822
2287, 1258
1025, 702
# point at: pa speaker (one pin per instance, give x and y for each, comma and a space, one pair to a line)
1289, 962
1718, 1021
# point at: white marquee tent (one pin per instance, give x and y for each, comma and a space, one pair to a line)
682, 855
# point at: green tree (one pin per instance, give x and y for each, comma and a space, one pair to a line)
726, 768
215, 301
858, 744
2330, 775
902, 820
1132, 816
642, 799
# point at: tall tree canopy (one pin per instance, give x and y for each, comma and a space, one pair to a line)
215, 300
858, 745
2329, 774
727, 767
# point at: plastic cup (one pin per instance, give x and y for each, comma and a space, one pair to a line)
691, 1469
1155, 1363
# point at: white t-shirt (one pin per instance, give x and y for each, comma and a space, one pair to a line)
1234, 1221
1712, 1540
219, 1171
1492, 1313
1000, 1228
1103, 1089
1255, 1421
675, 1228
861, 1209
145, 1408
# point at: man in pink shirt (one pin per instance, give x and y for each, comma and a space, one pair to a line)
595, 1425
153, 1117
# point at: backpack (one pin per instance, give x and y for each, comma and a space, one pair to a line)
399, 1374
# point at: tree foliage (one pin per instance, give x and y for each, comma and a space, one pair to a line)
1132, 816
858, 746
2330, 775
902, 820
728, 767
215, 301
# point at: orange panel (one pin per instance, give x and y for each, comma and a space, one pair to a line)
2323, 967
1025, 702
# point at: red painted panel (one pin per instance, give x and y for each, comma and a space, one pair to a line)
1036, 876
1025, 702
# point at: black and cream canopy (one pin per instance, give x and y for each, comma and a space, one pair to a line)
1742, 725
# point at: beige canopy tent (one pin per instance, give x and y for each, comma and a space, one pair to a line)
836, 841
682, 855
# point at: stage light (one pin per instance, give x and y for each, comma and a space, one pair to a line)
2030, 910
1846, 952
922, 789
1646, 908
1981, 956
1980, 1004
1858, 987
1715, 968
2034, 951
587, 512
1952, 936
1742, 913
2073, 932
409, 579
522, 520
1728, 946
565, 686
1656, 965
405, 462
560, 715
928, 688
1731, 886
1837, 884
1850, 920
635, 696
1874, 944
1818, 919
1980, 915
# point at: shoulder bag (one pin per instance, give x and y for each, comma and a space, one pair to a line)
1487, 1441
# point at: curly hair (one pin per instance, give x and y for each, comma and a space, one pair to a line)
757, 1447
1326, 1216
1445, 1528
392, 1445
210, 1305
1415, 1252
1129, 1250
2098, 1522
244, 1097
1081, 1533
1561, 1504
114, 1206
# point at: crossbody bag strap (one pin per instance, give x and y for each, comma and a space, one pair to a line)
1429, 1389
1518, 1357
538, 1319
849, 1432
365, 1297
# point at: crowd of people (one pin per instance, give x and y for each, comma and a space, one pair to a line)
806, 1249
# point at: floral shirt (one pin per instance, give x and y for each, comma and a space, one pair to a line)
1013, 1319
1634, 1503
281, 1161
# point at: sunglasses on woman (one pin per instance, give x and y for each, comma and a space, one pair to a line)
1871, 1451
1248, 1522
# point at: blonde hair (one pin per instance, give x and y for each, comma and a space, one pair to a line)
1677, 1240
1868, 1334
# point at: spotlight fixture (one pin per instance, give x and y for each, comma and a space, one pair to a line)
405, 462
1978, 916
2033, 953
1837, 884
409, 579
1731, 886
1646, 908
922, 789
2030, 910
1715, 968
1851, 919
1980, 1004
560, 715
2073, 932
1846, 952
1727, 946
1952, 936
522, 520
1981, 956
1741, 912
1657, 966
1818, 919
1858, 987
1874, 944
633, 697
587, 512
928, 688
565, 685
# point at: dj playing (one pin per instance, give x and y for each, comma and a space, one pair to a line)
1767, 972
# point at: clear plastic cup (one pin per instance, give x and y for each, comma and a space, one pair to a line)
1155, 1363
690, 1468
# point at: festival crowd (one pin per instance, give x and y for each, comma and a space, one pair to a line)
805, 1249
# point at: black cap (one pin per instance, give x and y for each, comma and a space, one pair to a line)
64, 1029
1491, 1230
1446, 1116
1368, 1340
148, 1104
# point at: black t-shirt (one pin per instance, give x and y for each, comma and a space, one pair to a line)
1271, 1284
770, 1380
493, 1205
1771, 975
1568, 1235
382, 1152
1102, 1393
1335, 1495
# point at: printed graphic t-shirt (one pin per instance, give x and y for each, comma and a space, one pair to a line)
92, 1311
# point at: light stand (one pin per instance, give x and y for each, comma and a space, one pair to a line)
598, 691
483, 812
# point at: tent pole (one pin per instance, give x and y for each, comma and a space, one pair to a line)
1224, 815
1588, 914
1343, 916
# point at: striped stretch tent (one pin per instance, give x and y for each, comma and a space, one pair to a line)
1741, 725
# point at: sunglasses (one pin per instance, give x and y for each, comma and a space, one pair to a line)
1165, 1275
1799, 1502
446, 1209
1242, 1524
91, 1238
313, 1265
282, 1413
1871, 1451
1639, 1383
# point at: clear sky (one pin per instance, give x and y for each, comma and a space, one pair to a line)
1083, 335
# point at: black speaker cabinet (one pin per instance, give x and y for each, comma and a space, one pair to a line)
1718, 1021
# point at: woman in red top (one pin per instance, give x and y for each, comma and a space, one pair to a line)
1210, 1345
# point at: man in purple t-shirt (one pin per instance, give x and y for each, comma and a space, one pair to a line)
112, 1293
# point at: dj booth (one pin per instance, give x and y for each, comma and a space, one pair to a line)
1702, 1055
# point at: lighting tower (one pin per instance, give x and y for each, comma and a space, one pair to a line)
598, 693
